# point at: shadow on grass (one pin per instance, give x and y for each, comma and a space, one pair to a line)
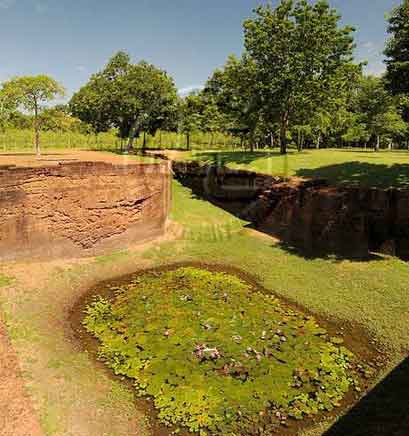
245, 208
330, 255
384, 411
238, 209
361, 174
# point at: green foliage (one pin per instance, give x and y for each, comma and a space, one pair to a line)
299, 51
376, 112
232, 88
31, 93
5, 280
397, 51
8, 106
191, 120
131, 97
217, 355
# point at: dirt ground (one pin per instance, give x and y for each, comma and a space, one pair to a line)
48, 383
53, 158
17, 417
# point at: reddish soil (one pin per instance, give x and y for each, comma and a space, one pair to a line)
54, 158
17, 416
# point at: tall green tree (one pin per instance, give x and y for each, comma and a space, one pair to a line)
376, 108
297, 49
397, 52
232, 88
190, 116
31, 93
131, 97
8, 107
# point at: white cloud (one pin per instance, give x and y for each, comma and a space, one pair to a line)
189, 89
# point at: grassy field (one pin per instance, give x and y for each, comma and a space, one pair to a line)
72, 396
23, 139
383, 169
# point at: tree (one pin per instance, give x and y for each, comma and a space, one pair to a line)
389, 125
8, 107
376, 108
232, 89
212, 119
57, 119
397, 52
190, 115
356, 132
30, 93
297, 49
131, 97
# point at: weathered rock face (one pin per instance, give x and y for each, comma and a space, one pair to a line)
72, 207
308, 214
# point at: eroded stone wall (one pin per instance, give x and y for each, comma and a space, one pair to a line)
81, 207
309, 215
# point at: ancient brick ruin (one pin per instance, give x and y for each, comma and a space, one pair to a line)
80, 207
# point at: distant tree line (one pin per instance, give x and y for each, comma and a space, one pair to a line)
296, 83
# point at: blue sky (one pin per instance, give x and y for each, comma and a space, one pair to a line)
71, 39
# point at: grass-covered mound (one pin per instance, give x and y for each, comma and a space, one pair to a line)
217, 355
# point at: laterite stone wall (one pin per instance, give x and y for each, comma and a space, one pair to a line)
81, 207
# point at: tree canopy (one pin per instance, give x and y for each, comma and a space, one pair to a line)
298, 50
130, 97
397, 50
31, 93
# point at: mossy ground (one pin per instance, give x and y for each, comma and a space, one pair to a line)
217, 355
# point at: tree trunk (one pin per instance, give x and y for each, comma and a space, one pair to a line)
36, 131
318, 141
299, 140
283, 133
378, 142
271, 139
132, 134
187, 141
144, 141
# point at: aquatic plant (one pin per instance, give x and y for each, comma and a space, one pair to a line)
217, 355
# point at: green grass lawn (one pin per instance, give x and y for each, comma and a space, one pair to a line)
367, 168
